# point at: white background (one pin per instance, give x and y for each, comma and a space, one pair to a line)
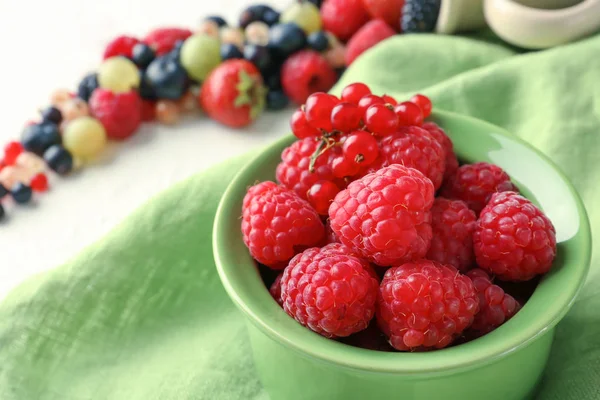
48, 45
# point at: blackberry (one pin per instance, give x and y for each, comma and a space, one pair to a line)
419, 15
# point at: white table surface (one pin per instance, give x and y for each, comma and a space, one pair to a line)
47, 45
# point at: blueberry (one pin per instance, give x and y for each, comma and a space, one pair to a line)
3, 191
273, 81
318, 41
258, 55
59, 159
52, 115
21, 193
277, 100
259, 12
1, 212
286, 39
37, 138
217, 20
167, 78
419, 15
270, 17
145, 90
317, 3
230, 51
88, 84
142, 55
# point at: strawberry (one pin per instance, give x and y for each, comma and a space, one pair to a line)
162, 40
233, 94
388, 10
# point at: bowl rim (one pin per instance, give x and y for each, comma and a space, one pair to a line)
273, 321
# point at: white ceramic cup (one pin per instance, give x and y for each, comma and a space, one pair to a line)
537, 24
532, 24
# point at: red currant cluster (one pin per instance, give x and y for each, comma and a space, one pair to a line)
350, 127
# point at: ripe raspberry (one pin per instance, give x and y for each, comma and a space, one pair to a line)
388, 10
293, 171
368, 36
452, 223
120, 113
371, 338
163, 40
277, 224
385, 216
443, 139
343, 17
514, 239
275, 289
415, 148
120, 46
475, 183
329, 291
424, 304
304, 73
495, 306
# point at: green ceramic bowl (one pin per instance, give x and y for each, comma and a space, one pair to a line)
294, 363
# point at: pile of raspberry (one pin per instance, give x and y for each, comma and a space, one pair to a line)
376, 231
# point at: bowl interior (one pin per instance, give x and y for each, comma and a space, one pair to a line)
537, 178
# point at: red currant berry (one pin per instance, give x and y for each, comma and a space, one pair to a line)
318, 110
321, 194
409, 114
389, 99
381, 119
300, 126
367, 101
361, 147
354, 92
346, 117
2, 165
39, 183
424, 104
343, 167
11, 152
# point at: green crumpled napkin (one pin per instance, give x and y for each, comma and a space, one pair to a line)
141, 314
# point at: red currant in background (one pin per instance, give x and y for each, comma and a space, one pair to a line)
11, 152
300, 126
321, 194
381, 119
318, 109
346, 117
389, 99
39, 183
343, 167
367, 101
360, 147
424, 104
354, 92
409, 114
